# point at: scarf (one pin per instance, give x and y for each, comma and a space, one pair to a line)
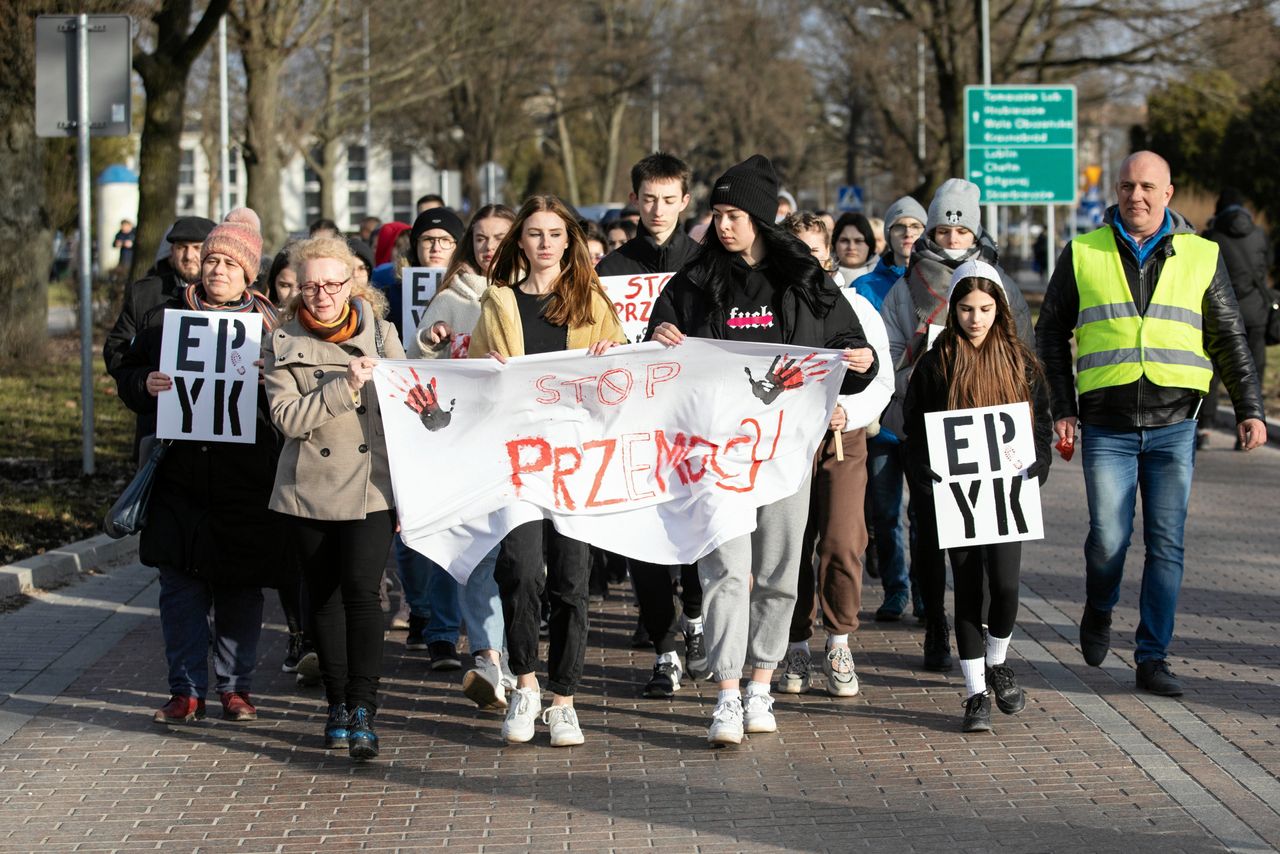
250, 301
341, 329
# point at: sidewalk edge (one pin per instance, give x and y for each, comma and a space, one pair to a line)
65, 564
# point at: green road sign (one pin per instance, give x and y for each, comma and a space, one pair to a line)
1020, 143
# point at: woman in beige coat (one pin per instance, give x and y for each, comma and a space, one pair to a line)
334, 477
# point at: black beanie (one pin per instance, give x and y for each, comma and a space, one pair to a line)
751, 185
429, 219
1229, 197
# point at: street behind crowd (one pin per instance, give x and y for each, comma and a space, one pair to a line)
1090, 765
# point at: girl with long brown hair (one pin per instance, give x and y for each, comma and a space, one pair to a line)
978, 360
544, 298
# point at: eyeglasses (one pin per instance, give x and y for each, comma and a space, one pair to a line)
902, 228
438, 242
310, 289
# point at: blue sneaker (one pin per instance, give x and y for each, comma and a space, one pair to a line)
362, 741
335, 728
892, 609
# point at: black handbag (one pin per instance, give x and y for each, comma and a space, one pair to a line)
128, 515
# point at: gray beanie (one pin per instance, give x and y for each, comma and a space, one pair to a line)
904, 207
955, 203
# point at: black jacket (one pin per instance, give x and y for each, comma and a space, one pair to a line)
927, 392
686, 304
1244, 249
208, 512
1142, 403
642, 254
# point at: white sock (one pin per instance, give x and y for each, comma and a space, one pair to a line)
975, 675
802, 646
670, 658
837, 640
757, 689
729, 694
997, 649
693, 625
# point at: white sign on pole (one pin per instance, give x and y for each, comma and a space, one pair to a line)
633, 298
982, 456
418, 285
210, 356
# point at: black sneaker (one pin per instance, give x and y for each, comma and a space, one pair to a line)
444, 656
665, 681
294, 654
1156, 677
335, 728
417, 637
1010, 698
871, 558
937, 646
362, 741
1095, 635
695, 656
977, 713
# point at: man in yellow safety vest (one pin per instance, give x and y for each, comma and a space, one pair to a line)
1153, 313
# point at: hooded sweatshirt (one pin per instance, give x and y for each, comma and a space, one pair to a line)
1244, 250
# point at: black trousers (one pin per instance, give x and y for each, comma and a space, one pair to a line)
1002, 563
521, 581
342, 564
656, 600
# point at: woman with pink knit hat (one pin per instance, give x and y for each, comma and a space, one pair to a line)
209, 531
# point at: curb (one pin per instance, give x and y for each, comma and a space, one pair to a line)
64, 564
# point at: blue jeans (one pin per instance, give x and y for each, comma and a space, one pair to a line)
482, 607
189, 607
431, 593
885, 476
1117, 463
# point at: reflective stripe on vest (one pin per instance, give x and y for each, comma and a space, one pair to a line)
1115, 345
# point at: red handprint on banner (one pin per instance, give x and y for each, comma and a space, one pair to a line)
784, 374
423, 399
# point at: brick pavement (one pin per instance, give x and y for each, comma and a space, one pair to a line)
1089, 765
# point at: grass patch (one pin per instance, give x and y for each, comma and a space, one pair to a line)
45, 501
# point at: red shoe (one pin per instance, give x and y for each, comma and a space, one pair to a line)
180, 709
236, 706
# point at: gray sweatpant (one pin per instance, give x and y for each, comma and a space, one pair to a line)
749, 623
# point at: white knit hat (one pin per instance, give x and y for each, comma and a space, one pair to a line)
974, 269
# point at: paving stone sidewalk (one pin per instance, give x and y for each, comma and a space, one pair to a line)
1088, 766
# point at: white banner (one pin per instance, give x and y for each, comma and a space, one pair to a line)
982, 456
210, 356
655, 453
633, 298
418, 285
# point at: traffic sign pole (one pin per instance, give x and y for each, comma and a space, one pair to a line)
86, 259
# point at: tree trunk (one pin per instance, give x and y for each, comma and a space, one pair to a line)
566, 156
327, 175
160, 156
262, 150
615, 143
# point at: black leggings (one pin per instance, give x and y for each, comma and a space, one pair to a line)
1002, 562
521, 581
342, 563
656, 600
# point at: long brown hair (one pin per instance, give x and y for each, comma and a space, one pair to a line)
570, 299
465, 260
999, 371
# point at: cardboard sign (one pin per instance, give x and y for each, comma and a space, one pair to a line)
982, 456
418, 285
633, 298
655, 453
934, 331
210, 356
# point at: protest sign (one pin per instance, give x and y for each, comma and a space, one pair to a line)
210, 356
982, 456
418, 285
655, 453
633, 298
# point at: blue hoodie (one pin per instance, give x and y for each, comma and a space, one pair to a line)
874, 286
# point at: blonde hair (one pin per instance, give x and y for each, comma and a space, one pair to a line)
336, 249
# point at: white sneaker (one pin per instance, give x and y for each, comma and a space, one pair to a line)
522, 714
563, 721
483, 685
838, 667
758, 713
726, 722
795, 678
400, 622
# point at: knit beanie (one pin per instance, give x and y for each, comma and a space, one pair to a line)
905, 207
238, 237
429, 219
955, 203
974, 269
751, 185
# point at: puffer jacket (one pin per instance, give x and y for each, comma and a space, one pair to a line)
1244, 250
1142, 403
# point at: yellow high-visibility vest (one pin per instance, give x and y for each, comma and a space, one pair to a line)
1115, 345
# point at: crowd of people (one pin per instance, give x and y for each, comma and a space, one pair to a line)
1138, 319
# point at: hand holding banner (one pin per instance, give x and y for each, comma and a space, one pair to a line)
212, 359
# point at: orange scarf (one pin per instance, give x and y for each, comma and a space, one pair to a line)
334, 332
